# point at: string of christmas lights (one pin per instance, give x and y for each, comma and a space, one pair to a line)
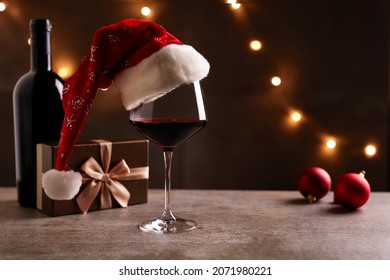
295, 115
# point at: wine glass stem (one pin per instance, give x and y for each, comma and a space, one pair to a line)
167, 214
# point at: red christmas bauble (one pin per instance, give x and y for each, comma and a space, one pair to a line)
352, 191
314, 183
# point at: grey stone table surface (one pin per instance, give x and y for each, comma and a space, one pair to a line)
233, 224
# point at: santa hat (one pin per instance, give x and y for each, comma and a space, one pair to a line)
142, 60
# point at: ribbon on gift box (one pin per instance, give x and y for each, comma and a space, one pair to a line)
101, 179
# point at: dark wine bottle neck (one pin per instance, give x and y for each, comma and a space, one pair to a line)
40, 50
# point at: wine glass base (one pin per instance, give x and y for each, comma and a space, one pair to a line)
168, 226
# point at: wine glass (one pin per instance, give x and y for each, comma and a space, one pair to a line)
169, 121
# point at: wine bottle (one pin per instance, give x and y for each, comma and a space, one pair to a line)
38, 111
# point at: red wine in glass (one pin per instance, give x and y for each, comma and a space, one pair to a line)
168, 122
168, 133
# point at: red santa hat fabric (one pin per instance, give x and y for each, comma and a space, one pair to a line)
142, 60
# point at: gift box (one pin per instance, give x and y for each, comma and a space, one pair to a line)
123, 180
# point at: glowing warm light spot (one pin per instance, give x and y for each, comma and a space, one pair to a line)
331, 144
296, 116
255, 45
276, 81
64, 67
63, 72
370, 150
231, 1
29, 41
235, 6
3, 6
146, 11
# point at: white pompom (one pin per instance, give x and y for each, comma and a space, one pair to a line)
61, 185
160, 73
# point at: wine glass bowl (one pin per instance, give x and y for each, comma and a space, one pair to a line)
168, 122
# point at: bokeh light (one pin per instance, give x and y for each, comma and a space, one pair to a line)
235, 6
296, 116
255, 45
3, 6
146, 11
370, 150
63, 72
331, 143
276, 81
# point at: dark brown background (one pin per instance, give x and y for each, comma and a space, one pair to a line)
332, 57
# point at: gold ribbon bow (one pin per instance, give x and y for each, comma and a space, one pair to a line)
102, 180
